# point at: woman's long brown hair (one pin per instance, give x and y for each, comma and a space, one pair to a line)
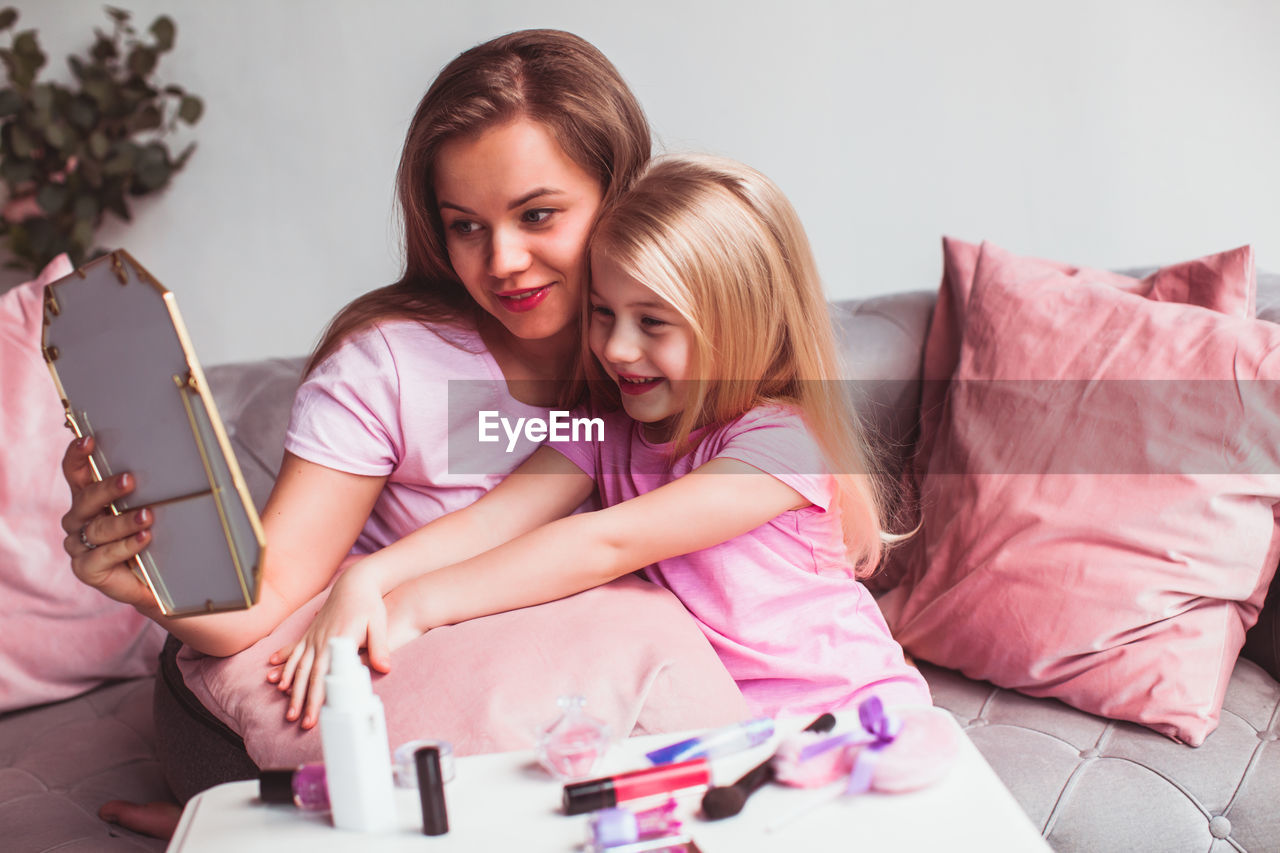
549, 76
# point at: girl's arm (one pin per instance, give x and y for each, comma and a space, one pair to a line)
545, 487
715, 503
311, 519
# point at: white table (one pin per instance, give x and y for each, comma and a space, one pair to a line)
507, 802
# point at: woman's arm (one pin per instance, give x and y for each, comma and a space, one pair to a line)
311, 519
715, 503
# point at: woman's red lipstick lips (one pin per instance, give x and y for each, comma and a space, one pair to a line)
633, 387
527, 303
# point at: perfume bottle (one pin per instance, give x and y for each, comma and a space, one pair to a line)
304, 786
570, 748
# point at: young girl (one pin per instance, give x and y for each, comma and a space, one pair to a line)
710, 354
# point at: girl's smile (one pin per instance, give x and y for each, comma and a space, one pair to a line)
629, 384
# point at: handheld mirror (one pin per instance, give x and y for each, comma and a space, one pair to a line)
127, 374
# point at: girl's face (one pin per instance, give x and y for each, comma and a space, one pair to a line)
643, 343
516, 213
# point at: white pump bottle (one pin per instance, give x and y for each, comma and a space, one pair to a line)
357, 757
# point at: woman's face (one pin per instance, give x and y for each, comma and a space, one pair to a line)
516, 212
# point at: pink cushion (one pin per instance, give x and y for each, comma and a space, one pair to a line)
1104, 542
61, 638
491, 684
1224, 282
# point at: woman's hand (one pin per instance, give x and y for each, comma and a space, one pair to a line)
100, 544
354, 609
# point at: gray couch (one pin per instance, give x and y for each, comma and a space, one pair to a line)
1088, 783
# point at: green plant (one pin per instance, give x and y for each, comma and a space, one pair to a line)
71, 153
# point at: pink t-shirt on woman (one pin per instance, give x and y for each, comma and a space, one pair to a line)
403, 399
795, 630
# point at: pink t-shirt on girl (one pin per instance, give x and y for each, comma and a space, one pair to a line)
795, 630
403, 399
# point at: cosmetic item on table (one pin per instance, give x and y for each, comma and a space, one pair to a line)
907, 749
727, 801
607, 791
681, 842
716, 743
571, 746
404, 766
911, 748
435, 818
303, 786
353, 733
611, 828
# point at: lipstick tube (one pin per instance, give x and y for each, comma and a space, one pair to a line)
607, 791
435, 817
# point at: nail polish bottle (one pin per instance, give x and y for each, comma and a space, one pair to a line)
571, 746
303, 786
610, 828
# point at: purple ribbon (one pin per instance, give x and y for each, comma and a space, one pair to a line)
879, 730
883, 728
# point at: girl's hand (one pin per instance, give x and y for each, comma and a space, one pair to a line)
354, 609
99, 543
402, 624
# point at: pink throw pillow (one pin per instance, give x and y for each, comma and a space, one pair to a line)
1100, 485
1224, 282
491, 684
61, 638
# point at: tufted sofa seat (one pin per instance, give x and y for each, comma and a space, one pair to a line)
1088, 783
1096, 784
60, 762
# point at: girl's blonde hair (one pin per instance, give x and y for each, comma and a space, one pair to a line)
720, 242
552, 77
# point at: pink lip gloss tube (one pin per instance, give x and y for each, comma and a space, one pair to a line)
608, 791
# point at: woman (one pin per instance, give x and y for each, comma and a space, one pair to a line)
512, 151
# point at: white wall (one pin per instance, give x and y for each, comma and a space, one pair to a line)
1102, 132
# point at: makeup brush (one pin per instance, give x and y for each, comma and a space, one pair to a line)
722, 802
